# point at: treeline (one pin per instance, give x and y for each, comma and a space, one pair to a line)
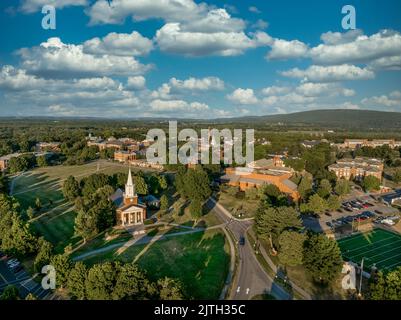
111, 281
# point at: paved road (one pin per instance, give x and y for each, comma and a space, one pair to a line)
251, 279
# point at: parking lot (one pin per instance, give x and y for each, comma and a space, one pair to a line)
353, 211
15, 274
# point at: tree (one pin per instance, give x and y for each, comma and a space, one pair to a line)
322, 258
305, 188
169, 289
291, 248
42, 161
342, 187
140, 185
10, 293
397, 175
71, 189
162, 181
333, 202
90, 184
195, 208
164, 203
38, 204
271, 195
131, 283
44, 254
271, 222
62, 265
18, 164
85, 225
100, 281
197, 184
371, 183
385, 286
18, 239
30, 213
76, 282
317, 204
324, 189
377, 287
31, 296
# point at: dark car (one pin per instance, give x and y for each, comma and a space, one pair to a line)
349, 218
242, 240
328, 214
348, 209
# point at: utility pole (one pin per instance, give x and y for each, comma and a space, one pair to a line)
360, 279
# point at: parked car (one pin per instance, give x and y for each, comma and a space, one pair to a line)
328, 214
17, 269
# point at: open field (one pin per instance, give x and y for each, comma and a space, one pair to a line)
247, 208
199, 260
379, 247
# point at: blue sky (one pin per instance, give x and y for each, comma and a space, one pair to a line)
204, 59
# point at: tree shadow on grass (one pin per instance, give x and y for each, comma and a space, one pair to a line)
199, 262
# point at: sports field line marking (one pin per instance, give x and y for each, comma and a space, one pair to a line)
394, 264
389, 258
372, 257
374, 245
353, 237
376, 242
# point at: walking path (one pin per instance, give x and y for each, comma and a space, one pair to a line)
123, 245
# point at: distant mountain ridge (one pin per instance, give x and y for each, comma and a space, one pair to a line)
338, 118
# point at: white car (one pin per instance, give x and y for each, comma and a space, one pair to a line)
388, 222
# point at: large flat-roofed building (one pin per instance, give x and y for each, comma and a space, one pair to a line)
359, 143
246, 178
275, 164
357, 168
124, 156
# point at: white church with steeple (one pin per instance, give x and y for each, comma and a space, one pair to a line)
130, 211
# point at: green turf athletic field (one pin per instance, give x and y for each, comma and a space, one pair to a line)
379, 247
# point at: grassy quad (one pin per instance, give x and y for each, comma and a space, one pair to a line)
199, 260
55, 221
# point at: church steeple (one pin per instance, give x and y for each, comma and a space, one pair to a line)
130, 195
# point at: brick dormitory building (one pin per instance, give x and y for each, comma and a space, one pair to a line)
357, 168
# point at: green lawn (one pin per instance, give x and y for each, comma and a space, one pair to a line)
199, 260
57, 226
379, 247
238, 204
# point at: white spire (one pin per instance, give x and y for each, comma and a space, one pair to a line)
129, 187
